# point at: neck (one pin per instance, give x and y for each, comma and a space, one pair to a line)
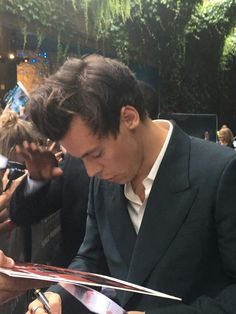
152, 136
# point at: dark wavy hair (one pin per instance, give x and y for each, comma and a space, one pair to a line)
93, 87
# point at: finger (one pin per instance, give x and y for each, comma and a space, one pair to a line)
25, 144
6, 261
4, 200
38, 310
29, 148
34, 147
54, 302
59, 156
52, 146
22, 151
34, 306
5, 177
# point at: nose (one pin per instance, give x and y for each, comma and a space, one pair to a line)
93, 169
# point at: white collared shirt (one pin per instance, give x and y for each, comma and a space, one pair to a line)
135, 206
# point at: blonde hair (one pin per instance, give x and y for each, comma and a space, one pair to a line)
227, 135
13, 131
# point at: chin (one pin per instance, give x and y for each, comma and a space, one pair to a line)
122, 181
117, 180
114, 180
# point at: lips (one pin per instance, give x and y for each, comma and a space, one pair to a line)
107, 179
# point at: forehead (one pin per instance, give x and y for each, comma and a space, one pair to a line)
222, 132
79, 139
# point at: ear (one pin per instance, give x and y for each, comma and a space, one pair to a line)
130, 117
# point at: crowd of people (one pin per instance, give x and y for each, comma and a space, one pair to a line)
140, 200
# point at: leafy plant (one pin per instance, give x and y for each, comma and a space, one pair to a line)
191, 43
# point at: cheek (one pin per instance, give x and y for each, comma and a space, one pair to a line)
112, 161
70, 148
121, 161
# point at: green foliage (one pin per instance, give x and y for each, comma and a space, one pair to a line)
192, 43
156, 35
229, 51
65, 18
215, 15
206, 34
185, 40
42, 17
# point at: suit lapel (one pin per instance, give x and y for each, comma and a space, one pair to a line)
169, 202
121, 225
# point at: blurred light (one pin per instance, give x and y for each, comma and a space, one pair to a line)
3, 162
11, 56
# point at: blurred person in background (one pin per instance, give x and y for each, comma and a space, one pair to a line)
13, 131
206, 136
14, 240
6, 225
226, 137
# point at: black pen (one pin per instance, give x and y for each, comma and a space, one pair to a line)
40, 295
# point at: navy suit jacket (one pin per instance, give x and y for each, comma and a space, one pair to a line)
186, 245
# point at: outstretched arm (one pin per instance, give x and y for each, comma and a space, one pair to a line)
41, 163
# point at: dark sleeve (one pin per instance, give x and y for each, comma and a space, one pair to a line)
224, 303
25, 210
90, 256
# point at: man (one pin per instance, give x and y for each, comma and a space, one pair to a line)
161, 209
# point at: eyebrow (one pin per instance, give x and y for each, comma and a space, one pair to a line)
89, 152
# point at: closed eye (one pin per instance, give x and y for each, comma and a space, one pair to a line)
96, 154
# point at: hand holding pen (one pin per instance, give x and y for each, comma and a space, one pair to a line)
43, 299
38, 306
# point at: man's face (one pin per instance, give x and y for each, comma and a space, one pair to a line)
113, 159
